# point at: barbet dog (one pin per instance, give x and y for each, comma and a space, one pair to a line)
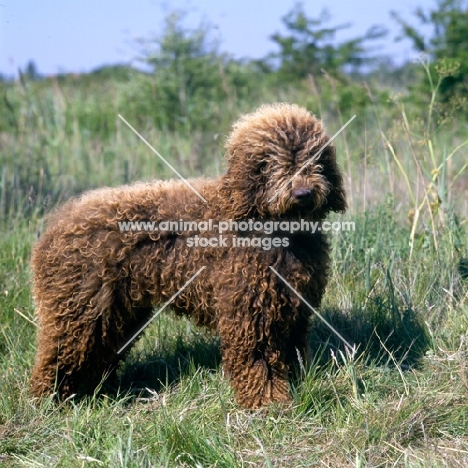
95, 284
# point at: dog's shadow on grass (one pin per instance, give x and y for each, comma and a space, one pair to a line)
384, 335
165, 365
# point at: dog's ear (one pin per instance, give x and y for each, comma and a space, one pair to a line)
235, 189
336, 198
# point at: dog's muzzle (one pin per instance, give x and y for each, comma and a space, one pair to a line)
302, 195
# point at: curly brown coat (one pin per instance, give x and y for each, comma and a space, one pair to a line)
94, 285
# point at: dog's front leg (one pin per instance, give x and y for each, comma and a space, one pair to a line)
254, 360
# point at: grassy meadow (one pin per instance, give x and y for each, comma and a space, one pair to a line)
398, 288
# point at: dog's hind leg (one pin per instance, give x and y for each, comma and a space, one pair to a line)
79, 347
73, 359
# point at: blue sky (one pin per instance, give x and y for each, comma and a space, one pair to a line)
78, 36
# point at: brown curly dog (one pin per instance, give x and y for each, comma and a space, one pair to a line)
95, 283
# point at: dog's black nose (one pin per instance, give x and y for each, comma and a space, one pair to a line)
302, 194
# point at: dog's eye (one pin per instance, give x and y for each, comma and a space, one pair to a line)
263, 169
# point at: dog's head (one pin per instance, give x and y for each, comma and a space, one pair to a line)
280, 165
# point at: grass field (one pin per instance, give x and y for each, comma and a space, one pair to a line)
398, 290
